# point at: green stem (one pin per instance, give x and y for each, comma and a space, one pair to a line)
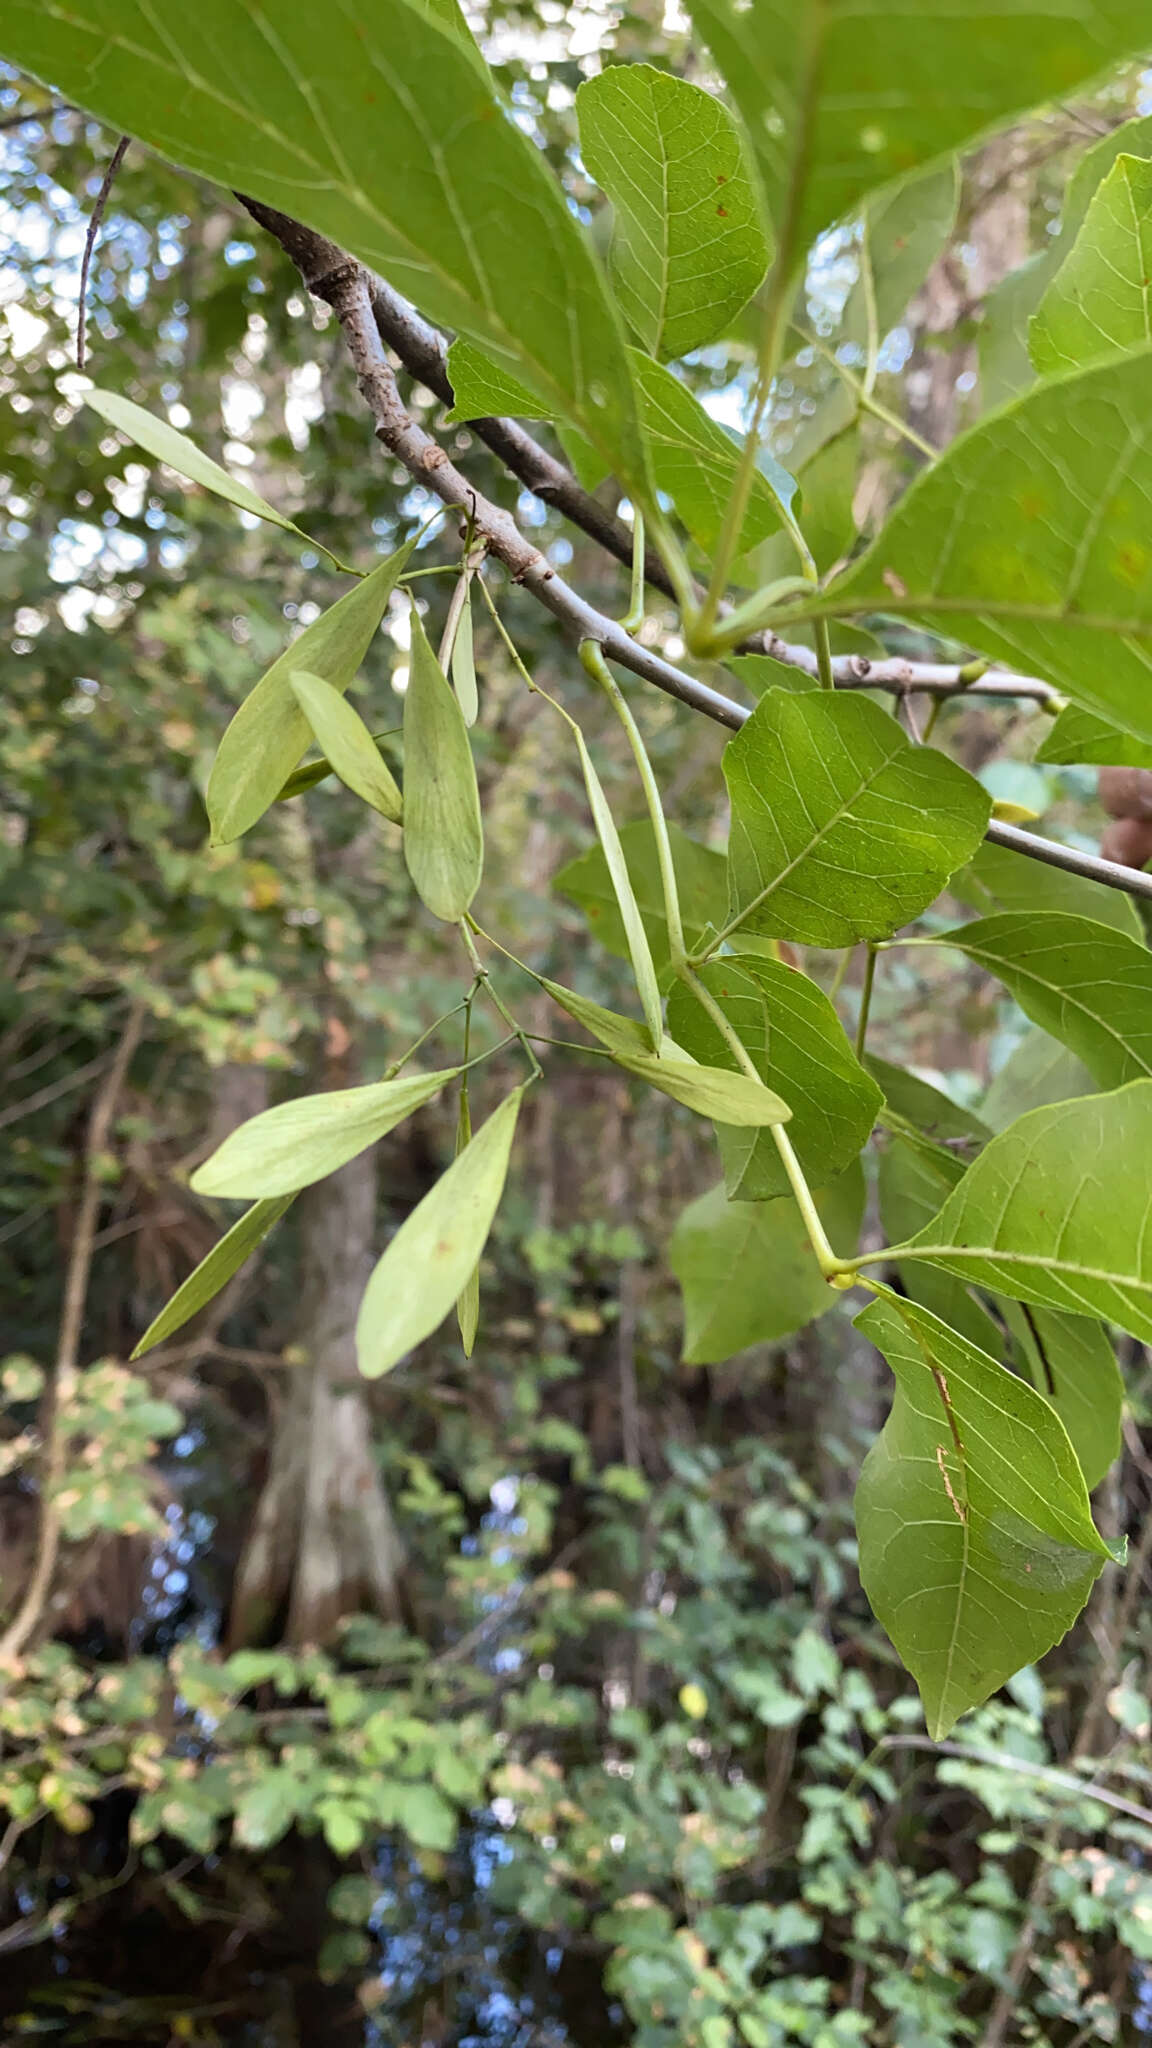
391, 1072
733, 925
829, 1263
865, 1002
634, 616
497, 1001
592, 656
775, 328
930, 723
841, 970
820, 635
823, 646
866, 399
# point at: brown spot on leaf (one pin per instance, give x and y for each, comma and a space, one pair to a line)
961, 1512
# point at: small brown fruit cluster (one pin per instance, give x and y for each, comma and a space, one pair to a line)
1126, 794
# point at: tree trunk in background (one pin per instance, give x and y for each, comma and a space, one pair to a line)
996, 241
323, 1543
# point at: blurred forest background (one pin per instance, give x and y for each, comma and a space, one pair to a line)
532, 1703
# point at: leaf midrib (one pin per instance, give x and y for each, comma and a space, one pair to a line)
1047, 1263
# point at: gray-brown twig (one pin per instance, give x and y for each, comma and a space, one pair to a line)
62, 1389
348, 288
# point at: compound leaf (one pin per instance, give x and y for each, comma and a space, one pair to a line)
1029, 540
841, 99
348, 744
1080, 736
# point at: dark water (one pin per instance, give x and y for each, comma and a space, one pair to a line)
446, 1966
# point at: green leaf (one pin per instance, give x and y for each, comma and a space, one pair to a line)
701, 880
1037, 1072
177, 452
998, 879
839, 100
621, 1034
425, 1816
695, 461
468, 1299
443, 832
714, 1092
1028, 539
747, 1272
759, 673
299, 1142
903, 231
481, 390
827, 486
344, 1829
1078, 735
841, 828
392, 140
1098, 304
797, 1042
267, 1808
914, 1178
926, 1110
269, 733
639, 951
1070, 1361
1056, 1211
977, 1546
1083, 983
689, 249
463, 664
348, 744
214, 1271
428, 1263
1005, 364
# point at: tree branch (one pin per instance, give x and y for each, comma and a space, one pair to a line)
422, 351
350, 290
63, 1386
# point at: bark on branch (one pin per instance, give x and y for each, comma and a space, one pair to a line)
353, 294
